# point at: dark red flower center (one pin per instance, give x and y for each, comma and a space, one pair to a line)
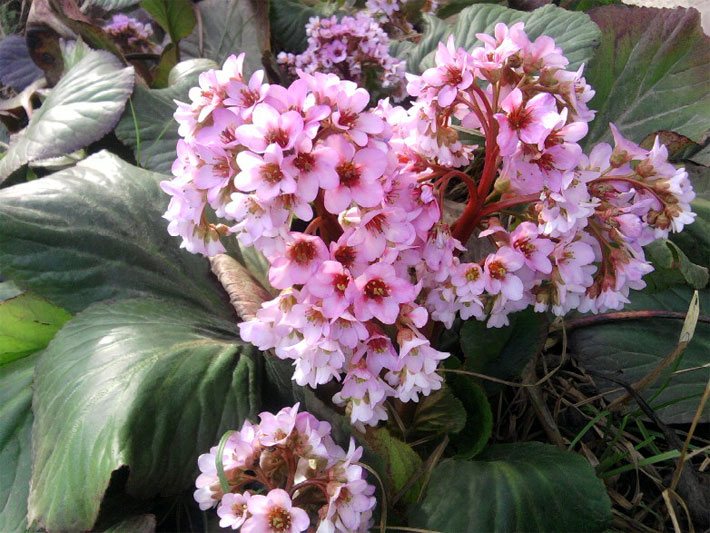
497, 270
304, 162
279, 519
376, 289
345, 255
278, 136
349, 173
271, 173
519, 118
302, 252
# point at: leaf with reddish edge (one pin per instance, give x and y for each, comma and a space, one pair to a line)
649, 73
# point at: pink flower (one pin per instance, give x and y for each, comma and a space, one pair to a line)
246, 96
379, 292
535, 251
498, 273
452, 73
331, 283
530, 122
275, 429
381, 227
233, 510
275, 513
266, 176
313, 168
358, 173
270, 127
303, 256
351, 118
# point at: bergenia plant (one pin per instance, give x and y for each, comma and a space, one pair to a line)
338, 266
346, 202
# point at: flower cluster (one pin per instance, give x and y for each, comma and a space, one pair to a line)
286, 474
345, 203
131, 35
355, 48
566, 230
267, 159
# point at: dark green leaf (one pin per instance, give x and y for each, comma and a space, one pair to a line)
147, 124
479, 417
288, 22
84, 106
145, 383
230, 27
453, 7
672, 266
398, 461
176, 17
515, 487
27, 324
574, 32
650, 73
628, 350
439, 413
503, 352
93, 232
15, 442
435, 31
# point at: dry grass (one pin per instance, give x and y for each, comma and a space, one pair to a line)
656, 476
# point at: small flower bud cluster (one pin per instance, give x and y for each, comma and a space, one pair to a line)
131, 35
286, 474
355, 48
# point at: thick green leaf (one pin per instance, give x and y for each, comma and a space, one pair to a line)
439, 413
8, 290
503, 352
453, 7
574, 32
147, 124
650, 73
702, 157
515, 487
27, 324
477, 431
93, 232
397, 461
176, 17
672, 267
694, 240
15, 442
230, 27
288, 21
435, 31
628, 350
145, 383
84, 106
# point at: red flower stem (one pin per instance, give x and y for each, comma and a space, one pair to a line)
319, 483
632, 182
505, 204
329, 226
